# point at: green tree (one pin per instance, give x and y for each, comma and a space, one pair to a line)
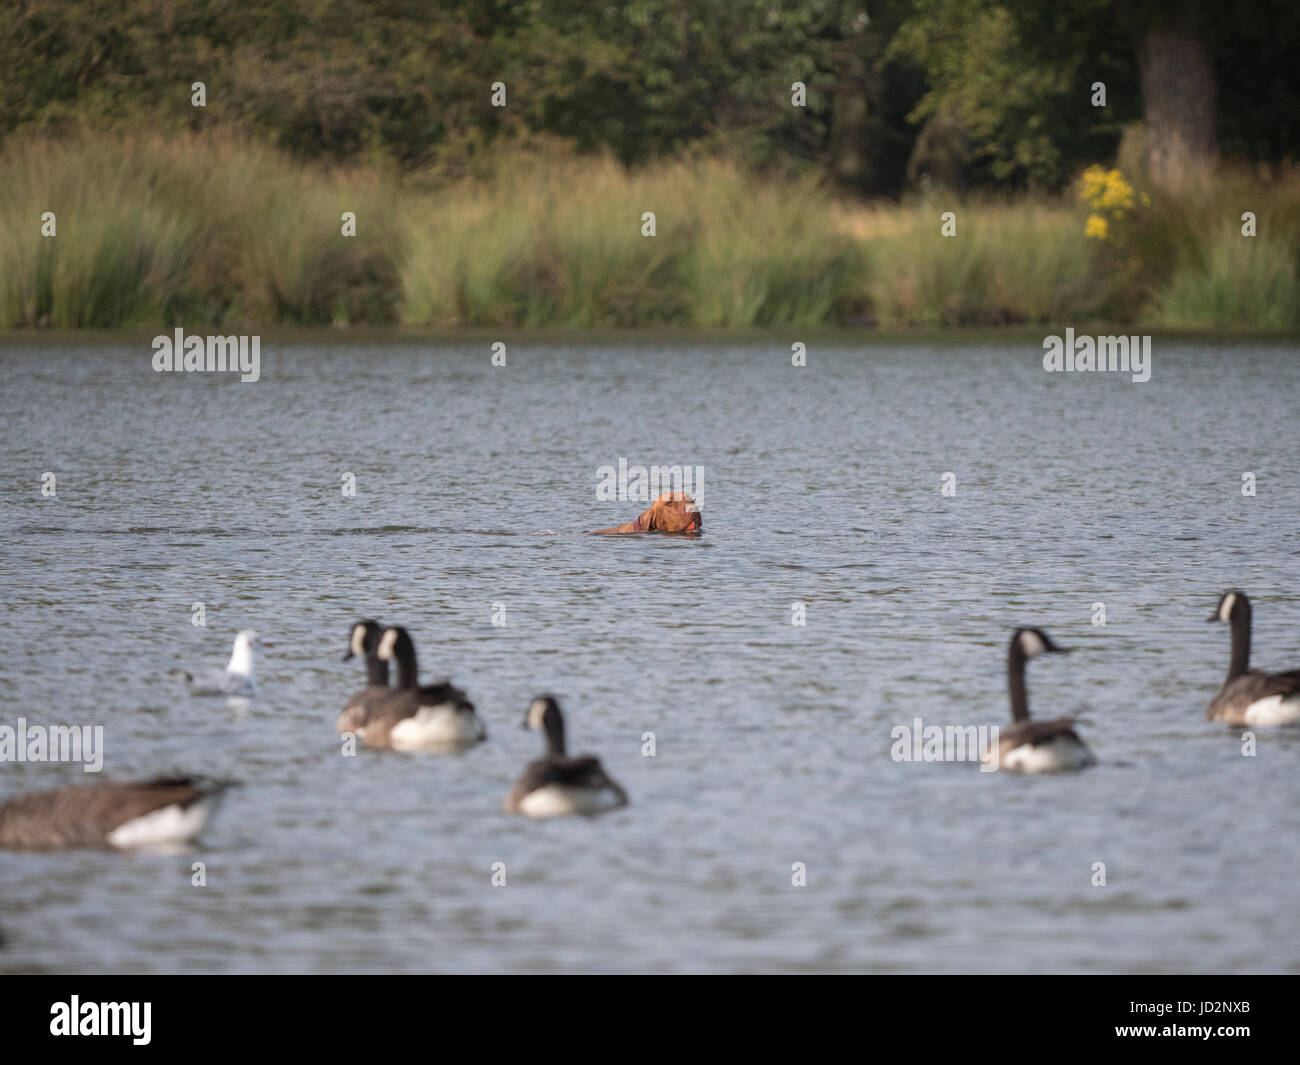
1021, 112
1015, 75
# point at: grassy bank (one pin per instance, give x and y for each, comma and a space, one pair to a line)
222, 232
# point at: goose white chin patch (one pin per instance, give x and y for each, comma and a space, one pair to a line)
535, 714
387, 642
358, 640
1032, 645
1225, 607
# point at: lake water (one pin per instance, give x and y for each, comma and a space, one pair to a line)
822, 487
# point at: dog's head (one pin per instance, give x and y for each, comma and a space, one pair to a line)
675, 512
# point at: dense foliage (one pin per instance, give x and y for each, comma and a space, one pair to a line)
974, 91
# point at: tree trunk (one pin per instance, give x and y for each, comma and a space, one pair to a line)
846, 152
1178, 91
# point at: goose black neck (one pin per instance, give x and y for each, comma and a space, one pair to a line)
407, 668
1240, 641
554, 725
1016, 684
376, 670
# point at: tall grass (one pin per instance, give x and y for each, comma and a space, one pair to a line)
543, 245
187, 230
123, 244
1005, 263
218, 230
1215, 275
563, 241
1236, 283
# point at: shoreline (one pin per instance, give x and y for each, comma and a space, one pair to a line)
776, 337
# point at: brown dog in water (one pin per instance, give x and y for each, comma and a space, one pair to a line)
672, 512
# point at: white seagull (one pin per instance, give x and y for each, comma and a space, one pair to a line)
237, 677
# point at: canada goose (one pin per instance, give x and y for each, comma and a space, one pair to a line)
364, 640
1249, 697
557, 785
237, 677
414, 717
110, 814
1035, 746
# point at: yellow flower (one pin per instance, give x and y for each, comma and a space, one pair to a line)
1119, 193
1110, 196
1092, 185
